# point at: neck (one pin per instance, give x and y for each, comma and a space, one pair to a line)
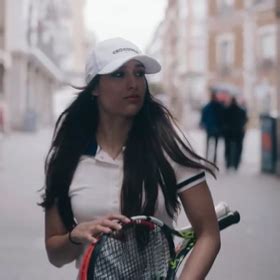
112, 134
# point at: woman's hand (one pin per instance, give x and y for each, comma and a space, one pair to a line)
88, 232
59, 248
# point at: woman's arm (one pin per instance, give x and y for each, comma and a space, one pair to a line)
59, 248
198, 204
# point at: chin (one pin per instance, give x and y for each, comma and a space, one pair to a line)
131, 113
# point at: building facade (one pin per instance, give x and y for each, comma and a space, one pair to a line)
36, 41
155, 49
230, 45
5, 63
184, 56
242, 53
169, 61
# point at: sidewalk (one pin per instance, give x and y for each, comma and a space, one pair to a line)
22, 252
250, 250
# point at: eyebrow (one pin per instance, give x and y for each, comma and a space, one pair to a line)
139, 64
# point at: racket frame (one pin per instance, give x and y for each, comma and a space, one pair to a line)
225, 218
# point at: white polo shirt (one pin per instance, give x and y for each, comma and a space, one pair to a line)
96, 186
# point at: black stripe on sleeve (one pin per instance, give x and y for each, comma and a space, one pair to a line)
190, 180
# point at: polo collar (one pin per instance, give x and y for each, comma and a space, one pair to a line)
94, 150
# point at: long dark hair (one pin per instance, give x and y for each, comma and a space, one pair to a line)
151, 137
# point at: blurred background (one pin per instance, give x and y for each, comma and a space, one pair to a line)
231, 47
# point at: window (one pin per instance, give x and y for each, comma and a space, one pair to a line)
267, 42
255, 2
199, 9
225, 5
198, 60
225, 50
183, 9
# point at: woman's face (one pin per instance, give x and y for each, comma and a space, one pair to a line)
122, 92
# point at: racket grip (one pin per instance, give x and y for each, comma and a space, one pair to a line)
222, 209
230, 219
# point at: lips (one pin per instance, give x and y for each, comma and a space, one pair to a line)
132, 96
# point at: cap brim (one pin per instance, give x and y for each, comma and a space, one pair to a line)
151, 65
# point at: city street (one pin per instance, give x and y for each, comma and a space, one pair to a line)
214, 64
250, 250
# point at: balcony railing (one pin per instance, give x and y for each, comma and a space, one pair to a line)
266, 64
225, 69
225, 9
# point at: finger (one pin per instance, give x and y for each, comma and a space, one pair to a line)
119, 217
114, 225
91, 239
98, 229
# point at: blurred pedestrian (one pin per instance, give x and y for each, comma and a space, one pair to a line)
2, 117
212, 122
2, 131
116, 153
235, 119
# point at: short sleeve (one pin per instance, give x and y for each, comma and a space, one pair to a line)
187, 177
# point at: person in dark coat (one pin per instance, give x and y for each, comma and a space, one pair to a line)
212, 122
235, 118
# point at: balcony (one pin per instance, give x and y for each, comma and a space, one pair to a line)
266, 64
263, 5
225, 70
225, 9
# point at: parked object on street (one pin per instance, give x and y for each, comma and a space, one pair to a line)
144, 249
235, 119
268, 143
116, 140
278, 146
212, 122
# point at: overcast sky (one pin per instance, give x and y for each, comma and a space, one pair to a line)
135, 20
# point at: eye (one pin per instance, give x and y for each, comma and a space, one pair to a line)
117, 74
140, 73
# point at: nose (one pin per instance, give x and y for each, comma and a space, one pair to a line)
131, 81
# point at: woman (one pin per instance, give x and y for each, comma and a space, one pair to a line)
115, 154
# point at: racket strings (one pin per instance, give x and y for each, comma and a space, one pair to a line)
134, 253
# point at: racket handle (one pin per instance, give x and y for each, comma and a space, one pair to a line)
228, 220
221, 209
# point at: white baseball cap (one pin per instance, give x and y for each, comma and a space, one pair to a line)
111, 54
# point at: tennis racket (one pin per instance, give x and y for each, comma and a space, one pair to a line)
144, 249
